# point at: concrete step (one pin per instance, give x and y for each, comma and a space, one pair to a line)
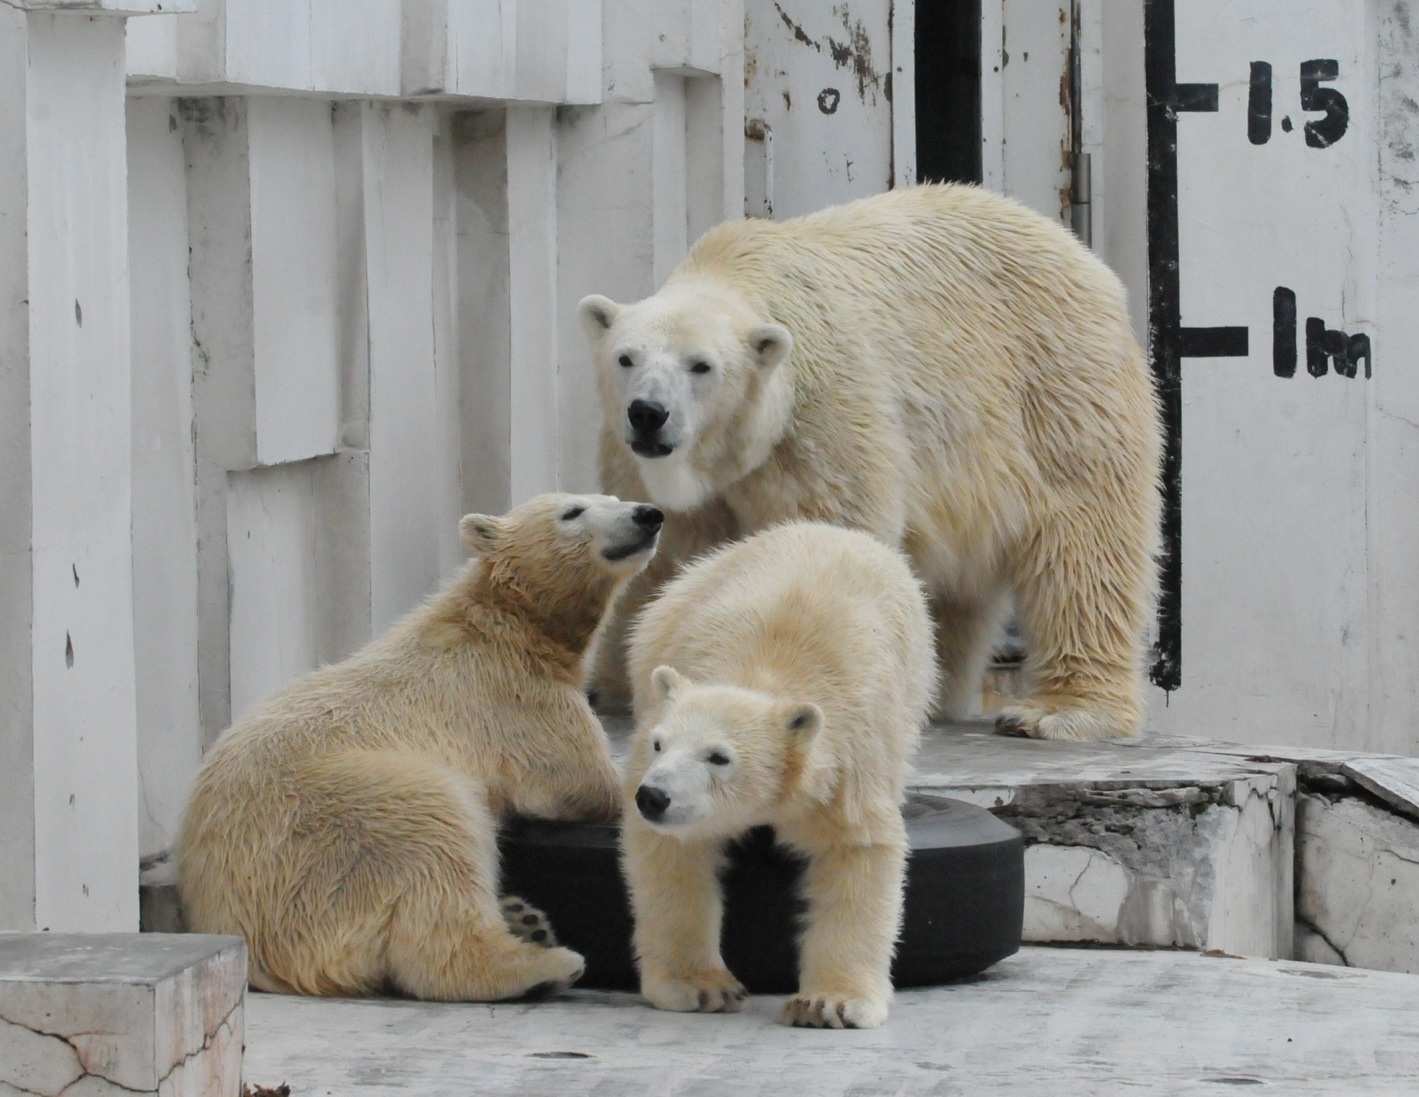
1272, 852
1061, 1022
121, 1014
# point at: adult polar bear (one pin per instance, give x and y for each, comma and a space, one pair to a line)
937, 365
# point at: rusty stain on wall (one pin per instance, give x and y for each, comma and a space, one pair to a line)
853, 53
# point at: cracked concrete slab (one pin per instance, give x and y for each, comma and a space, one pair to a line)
84, 1015
1358, 897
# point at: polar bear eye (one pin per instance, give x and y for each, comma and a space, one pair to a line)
718, 759
572, 512
625, 361
699, 366
656, 744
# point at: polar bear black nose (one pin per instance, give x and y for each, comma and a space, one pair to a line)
646, 416
651, 802
648, 517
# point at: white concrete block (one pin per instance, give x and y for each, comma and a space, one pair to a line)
165, 602
1359, 884
1135, 843
114, 1014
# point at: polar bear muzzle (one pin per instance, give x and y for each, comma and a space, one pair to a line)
646, 522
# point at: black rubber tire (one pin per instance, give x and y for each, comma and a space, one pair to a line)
964, 906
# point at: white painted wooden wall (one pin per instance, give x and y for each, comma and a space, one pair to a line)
326, 262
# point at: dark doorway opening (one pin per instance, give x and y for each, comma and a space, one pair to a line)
948, 91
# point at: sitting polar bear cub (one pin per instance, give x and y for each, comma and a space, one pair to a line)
798, 673
347, 828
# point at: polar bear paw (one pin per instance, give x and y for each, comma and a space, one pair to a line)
527, 923
1073, 722
704, 992
830, 1011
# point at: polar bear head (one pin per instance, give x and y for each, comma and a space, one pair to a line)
566, 543
718, 757
690, 383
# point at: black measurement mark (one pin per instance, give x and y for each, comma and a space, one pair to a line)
1259, 104
1320, 134
1166, 98
1324, 346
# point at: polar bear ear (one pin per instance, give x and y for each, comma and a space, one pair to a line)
771, 344
481, 533
597, 314
803, 721
666, 681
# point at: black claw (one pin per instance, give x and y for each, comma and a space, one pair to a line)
529, 919
513, 907
539, 935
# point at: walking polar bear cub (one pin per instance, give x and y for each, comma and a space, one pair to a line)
347, 827
782, 680
940, 367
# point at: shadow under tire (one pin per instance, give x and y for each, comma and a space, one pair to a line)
964, 906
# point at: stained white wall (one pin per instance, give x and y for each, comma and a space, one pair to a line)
1299, 589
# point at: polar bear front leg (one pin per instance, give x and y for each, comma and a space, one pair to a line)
678, 908
854, 896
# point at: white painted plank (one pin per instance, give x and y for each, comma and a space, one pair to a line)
398, 187
152, 49
669, 214
271, 554
1034, 60
627, 29
355, 46
17, 837
448, 479
606, 243
1393, 442
1062, 1022
223, 384
165, 604
484, 308
294, 279
84, 711
532, 277
265, 43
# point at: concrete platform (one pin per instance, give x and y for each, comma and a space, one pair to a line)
92, 1015
1058, 1022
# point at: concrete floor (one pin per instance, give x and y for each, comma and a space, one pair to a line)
1047, 1022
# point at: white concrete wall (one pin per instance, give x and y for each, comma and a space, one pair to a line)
357, 235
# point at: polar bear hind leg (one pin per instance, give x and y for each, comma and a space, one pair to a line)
403, 849
1082, 606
